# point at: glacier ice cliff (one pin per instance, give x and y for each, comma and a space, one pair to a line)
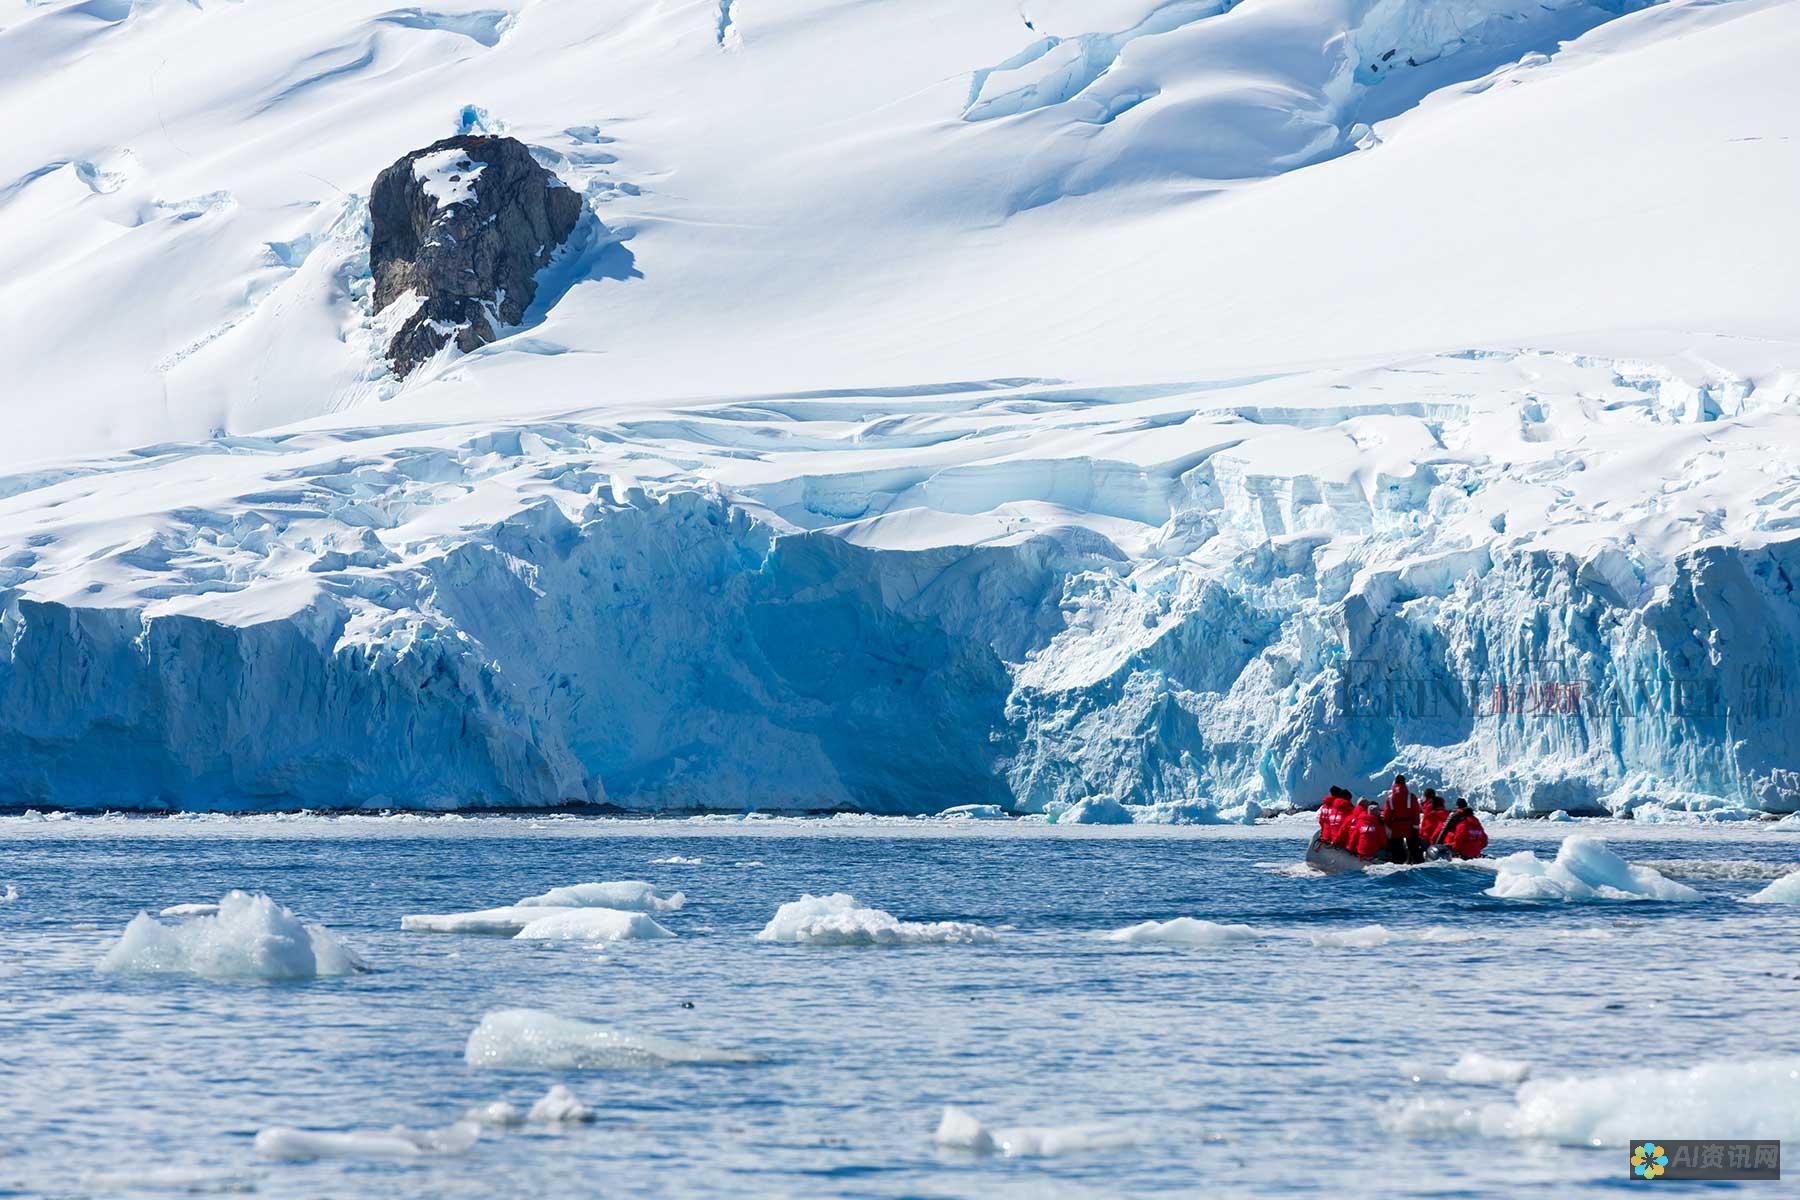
1215, 602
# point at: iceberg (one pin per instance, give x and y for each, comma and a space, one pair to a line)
836, 920
593, 925
1785, 890
558, 1106
1183, 931
526, 1039
1753, 1098
1584, 869
250, 937
630, 894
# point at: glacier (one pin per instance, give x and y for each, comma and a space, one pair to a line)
1319, 391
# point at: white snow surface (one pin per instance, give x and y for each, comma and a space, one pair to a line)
837, 920
249, 937
525, 1039
1143, 410
1183, 931
594, 925
1583, 869
448, 176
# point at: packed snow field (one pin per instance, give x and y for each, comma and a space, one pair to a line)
227, 1004
1141, 410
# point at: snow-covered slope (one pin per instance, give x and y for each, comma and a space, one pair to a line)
1171, 405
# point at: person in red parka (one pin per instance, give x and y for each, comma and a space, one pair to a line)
1401, 816
1432, 818
1463, 832
1368, 836
1329, 816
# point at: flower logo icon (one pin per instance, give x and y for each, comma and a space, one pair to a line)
1648, 1160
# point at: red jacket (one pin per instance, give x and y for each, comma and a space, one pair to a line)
1431, 823
1346, 823
1327, 816
1470, 839
1401, 813
1367, 837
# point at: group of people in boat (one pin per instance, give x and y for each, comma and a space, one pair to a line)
1407, 828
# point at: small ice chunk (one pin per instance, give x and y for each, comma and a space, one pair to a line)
676, 860
835, 920
1364, 937
1785, 890
172, 1180
1183, 931
1472, 1067
974, 812
299, 1145
190, 910
593, 925
633, 895
960, 1130
492, 922
529, 1039
11, 894
559, 1107
496, 1114
1584, 869
1481, 1068
250, 937
448, 176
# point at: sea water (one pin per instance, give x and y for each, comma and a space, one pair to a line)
1393, 1034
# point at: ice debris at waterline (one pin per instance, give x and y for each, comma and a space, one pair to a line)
1785, 890
558, 1106
529, 1039
960, 1130
1584, 869
633, 895
508, 921
1738, 1099
250, 937
300, 1145
836, 920
1183, 931
11, 894
594, 925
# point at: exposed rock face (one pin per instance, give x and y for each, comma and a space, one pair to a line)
465, 224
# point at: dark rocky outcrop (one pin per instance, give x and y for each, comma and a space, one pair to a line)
466, 224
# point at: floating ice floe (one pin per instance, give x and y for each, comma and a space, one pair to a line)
593, 925
299, 1145
1183, 931
1470, 1068
528, 1039
676, 860
632, 895
1748, 1099
1785, 890
1364, 937
11, 894
558, 1106
507, 921
1584, 869
960, 1130
250, 937
835, 920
